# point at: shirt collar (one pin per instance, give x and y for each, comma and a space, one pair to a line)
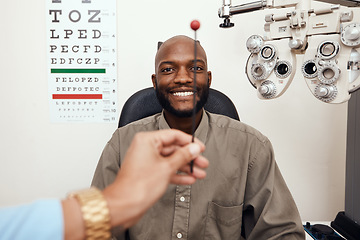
200, 132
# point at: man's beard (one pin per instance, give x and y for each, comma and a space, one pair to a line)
165, 103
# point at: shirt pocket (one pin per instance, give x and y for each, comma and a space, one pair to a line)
223, 223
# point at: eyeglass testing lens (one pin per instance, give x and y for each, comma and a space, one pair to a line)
328, 49
267, 52
328, 73
258, 71
283, 69
309, 69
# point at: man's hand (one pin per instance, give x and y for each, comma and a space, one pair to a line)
153, 160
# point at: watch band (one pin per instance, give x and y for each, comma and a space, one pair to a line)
95, 212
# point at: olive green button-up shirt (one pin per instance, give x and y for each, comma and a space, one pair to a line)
242, 196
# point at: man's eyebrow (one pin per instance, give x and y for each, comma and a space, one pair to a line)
165, 62
198, 60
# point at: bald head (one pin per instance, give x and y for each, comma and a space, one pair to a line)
178, 45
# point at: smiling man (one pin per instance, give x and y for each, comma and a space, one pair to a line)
244, 194
173, 81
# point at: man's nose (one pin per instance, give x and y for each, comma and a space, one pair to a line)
183, 77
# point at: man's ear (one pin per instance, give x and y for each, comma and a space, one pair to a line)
209, 78
153, 79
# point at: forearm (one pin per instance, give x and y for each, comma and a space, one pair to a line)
74, 227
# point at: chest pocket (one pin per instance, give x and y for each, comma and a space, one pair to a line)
223, 223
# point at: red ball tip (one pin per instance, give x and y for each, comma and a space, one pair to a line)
195, 25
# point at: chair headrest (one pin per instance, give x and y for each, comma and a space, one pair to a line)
144, 103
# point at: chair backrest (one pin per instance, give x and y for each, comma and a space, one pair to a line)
144, 103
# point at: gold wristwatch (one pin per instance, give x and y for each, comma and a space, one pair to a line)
95, 212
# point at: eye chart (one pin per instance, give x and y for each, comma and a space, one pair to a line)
81, 55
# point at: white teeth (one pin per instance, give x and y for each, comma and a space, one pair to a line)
183, 94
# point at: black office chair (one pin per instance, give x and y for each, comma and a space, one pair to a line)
144, 103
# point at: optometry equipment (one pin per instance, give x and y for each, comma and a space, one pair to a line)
328, 39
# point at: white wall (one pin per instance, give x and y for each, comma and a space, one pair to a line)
42, 159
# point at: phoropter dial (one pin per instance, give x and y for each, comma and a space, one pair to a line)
350, 35
254, 43
325, 92
267, 89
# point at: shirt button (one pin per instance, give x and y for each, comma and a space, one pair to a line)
179, 235
182, 199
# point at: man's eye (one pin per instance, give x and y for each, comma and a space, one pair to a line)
198, 68
165, 70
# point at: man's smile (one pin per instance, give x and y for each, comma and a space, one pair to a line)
182, 94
